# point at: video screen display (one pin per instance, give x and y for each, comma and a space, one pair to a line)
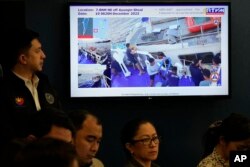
138, 50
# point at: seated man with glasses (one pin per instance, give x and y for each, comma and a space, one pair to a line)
141, 143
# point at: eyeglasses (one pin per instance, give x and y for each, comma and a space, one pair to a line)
148, 141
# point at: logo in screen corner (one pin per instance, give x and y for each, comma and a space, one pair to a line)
239, 158
215, 11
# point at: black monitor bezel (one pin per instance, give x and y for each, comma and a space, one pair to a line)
148, 3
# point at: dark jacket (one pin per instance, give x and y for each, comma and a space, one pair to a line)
196, 74
133, 163
17, 106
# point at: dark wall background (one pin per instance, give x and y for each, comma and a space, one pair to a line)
181, 121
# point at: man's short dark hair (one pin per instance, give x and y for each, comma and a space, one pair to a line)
79, 116
174, 68
151, 60
195, 61
206, 73
161, 54
127, 45
16, 42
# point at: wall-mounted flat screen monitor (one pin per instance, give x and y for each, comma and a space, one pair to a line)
149, 50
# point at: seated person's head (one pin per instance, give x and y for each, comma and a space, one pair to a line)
174, 69
151, 60
206, 73
88, 135
55, 123
232, 134
235, 131
161, 55
195, 61
133, 49
46, 152
140, 140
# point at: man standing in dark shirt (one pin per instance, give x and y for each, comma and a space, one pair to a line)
24, 89
173, 78
195, 70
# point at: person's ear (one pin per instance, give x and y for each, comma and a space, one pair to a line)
22, 59
129, 147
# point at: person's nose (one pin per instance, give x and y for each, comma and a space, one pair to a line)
95, 146
43, 55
